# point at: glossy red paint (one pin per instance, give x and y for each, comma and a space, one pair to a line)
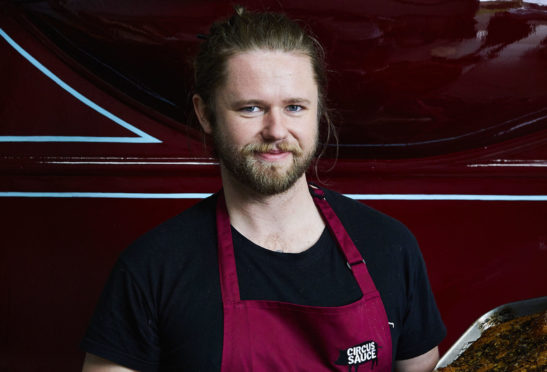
431, 97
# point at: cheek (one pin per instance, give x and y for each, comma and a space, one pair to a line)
310, 133
233, 135
240, 137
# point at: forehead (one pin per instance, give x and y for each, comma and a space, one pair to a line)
263, 74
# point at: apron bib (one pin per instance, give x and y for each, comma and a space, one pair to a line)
277, 336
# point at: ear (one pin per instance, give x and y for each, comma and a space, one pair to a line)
200, 109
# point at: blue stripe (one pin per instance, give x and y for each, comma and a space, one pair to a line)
144, 137
127, 195
447, 197
75, 139
117, 195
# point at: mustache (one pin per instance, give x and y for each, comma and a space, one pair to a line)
251, 148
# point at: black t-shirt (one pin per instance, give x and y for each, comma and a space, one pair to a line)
161, 309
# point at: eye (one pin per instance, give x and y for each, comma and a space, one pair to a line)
294, 108
250, 109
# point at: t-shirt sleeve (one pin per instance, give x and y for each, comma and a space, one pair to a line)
423, 328
123, 326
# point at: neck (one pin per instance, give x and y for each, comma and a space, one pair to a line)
287, 222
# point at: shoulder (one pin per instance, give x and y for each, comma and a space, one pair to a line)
165, 282
364, 222
387, 245
179, 237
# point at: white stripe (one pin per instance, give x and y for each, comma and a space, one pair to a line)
143, 137
523, 165
128, 195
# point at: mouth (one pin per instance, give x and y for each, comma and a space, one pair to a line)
272, 152
273, 155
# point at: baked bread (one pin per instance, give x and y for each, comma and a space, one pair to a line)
518, 345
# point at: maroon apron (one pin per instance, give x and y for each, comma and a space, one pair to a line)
277, 336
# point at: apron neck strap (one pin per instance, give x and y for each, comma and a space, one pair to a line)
354, 259
228, 272
229, 284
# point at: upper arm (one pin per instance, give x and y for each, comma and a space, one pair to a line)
422, 363
123, 328
93, 363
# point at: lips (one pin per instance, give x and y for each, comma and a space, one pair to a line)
273, 155
274, 152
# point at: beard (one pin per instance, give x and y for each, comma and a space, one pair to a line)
264, 177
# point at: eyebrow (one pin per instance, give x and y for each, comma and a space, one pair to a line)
252, 102
297, 100
247, 102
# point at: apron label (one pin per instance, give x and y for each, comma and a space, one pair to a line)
358, 355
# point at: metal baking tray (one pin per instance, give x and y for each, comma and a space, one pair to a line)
495, 316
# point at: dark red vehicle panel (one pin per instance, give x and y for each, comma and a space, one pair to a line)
442, 111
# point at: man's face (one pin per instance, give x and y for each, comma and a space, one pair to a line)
266, 128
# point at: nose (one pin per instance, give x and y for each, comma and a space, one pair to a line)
274, 126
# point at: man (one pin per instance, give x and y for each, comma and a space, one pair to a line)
270, 274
